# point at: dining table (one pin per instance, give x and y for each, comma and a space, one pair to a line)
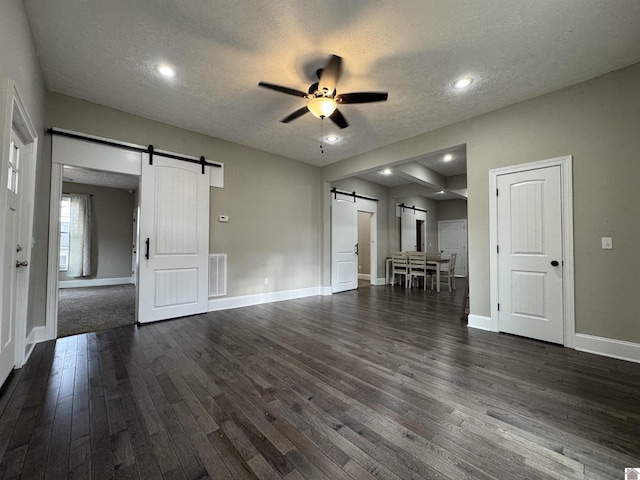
433, 261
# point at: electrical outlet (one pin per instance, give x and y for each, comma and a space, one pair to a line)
266, 280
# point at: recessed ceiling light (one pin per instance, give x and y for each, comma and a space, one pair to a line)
463, 82
332, 138
386, 171
447, 157
166, 71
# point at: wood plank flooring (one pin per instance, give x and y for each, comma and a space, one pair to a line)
380, 383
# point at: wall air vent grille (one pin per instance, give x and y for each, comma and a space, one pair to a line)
217, 274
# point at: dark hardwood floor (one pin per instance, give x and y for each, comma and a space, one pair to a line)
379, 383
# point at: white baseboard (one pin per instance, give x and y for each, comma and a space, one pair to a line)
482, 323
36, 335
94, 282
260, 298
325, 291
607, 347
381, 281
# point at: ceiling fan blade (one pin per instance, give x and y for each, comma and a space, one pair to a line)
330, 74
288, 91
362, 97
339, 119
294, 115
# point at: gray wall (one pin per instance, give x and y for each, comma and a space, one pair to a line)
273, 202
431, 206
597, 123
452, 209
19, 62
111, 230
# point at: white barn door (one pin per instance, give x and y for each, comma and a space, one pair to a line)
174, 239
344, 237
408, 234
530, 247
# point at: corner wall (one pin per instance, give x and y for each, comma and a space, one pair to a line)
273, 203
597, 123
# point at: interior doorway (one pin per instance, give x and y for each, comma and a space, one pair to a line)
101, 294
364, 249
420, 227
531, 233
18, 161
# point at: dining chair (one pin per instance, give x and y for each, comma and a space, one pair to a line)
418, 267
448, 272
399, 266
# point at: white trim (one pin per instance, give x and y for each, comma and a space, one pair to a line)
381, 281
94, 282
37, 335
51, 314
482, 323
607, 347
364, 276
260, 298
325, 291
566, 168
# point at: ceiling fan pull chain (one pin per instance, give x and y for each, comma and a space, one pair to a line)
321, 135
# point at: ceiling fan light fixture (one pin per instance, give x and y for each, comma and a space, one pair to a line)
332, 138
322, 107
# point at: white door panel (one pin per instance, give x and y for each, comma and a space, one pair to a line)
174, 235
529, 241
344, 237
452, 238
408, 235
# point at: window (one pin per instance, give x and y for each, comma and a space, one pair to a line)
14, 158
65, 220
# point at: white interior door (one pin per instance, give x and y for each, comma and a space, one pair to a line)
408, 237
530, 279
344, 237
174, 239
452, 238
15, 255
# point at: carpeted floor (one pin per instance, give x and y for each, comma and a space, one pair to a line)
90, 309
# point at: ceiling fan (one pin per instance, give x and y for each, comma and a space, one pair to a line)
322, 96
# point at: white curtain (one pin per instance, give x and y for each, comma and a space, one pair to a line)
80, 236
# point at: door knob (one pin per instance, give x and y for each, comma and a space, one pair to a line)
554, 263
21, 264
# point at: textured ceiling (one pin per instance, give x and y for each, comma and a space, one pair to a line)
107, 52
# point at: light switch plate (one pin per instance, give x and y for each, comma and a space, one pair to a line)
607, 243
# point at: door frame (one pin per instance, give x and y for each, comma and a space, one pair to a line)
371, 207
568, 280
17, 119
